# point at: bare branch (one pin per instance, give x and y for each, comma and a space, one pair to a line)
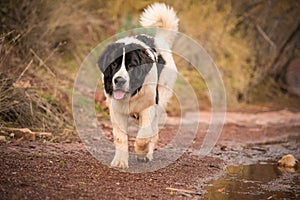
42, 63
23, 72
266, 37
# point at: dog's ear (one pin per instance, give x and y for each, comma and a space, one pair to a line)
109, 55
102, 60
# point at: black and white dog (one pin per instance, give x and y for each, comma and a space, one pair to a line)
139, 73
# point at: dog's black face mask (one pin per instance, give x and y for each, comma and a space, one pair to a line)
110, 63
137, 62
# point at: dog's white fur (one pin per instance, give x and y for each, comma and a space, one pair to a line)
143, 103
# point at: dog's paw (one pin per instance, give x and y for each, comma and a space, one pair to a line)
120, 161
149, 156
144, 157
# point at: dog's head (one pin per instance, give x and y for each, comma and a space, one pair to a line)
124, 67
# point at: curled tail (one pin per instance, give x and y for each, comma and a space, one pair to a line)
159, 15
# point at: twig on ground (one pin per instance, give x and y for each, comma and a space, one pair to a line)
183, 191
23, 72
266, 37
42, 63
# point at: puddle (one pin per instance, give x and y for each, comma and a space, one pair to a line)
256, 181
253, 172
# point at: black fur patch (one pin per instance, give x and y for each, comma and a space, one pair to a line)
109, 63
160, 65
160, 61
138, 64
149, 41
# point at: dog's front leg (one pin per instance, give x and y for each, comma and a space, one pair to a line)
119, 122
148, 134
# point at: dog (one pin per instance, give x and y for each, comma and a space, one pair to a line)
139, 73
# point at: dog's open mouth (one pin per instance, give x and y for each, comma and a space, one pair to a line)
119, 94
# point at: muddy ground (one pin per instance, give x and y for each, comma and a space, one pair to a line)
47, 170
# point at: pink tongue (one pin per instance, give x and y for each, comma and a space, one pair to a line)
119, 94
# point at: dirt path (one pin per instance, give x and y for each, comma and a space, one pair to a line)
66, 171
37, 170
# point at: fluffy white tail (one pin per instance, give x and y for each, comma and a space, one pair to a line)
159, 15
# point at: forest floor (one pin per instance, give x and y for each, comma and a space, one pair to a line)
48, 170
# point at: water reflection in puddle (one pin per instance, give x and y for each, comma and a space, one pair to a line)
257, 181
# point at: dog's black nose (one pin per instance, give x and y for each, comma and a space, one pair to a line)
119, 81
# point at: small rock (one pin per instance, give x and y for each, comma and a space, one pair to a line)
223, 148
2, 138
221, 190
287, 161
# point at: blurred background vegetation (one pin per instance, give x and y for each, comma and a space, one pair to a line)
254, 43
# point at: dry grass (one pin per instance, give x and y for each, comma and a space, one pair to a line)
22, 107
43, 43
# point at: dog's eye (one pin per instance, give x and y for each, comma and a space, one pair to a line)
114, 65
129, 66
